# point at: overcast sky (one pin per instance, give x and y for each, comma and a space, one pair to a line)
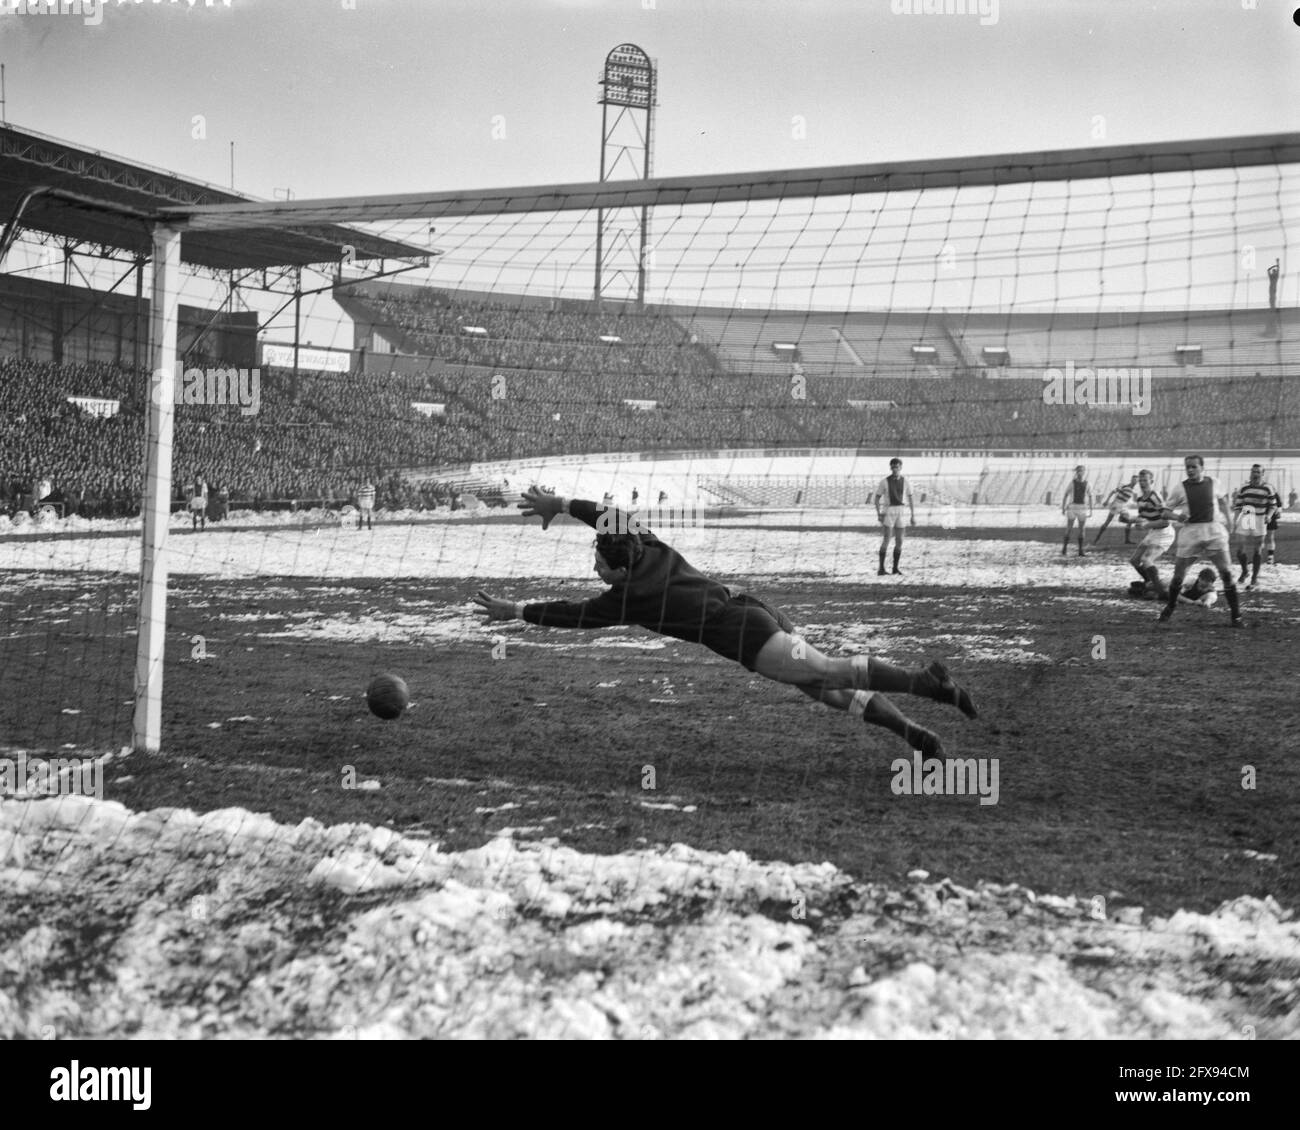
346, 97
334, 97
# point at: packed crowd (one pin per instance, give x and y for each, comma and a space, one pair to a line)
317, 437
314, 439
578, 341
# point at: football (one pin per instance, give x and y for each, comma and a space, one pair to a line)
387, 696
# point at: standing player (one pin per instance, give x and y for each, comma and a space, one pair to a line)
653, 586
893, 487
198, 503
1116, 503
1253, 505
1159, 537
366, 505
1076, 505
1270, 529
1202, 500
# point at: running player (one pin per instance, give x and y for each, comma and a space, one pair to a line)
1159, 537
893, 487
653, 586
1117, 503
1253, 505
1076, 505
1202, 500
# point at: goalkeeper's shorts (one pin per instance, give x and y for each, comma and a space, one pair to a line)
741, 629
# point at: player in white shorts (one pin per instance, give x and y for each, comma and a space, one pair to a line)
1159, 537
895, 489
1253, 505
1202, 501
366, 506
1076, 505
199, 504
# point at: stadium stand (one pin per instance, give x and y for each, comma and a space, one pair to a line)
540, 381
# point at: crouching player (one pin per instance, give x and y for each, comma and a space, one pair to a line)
653, 586
1159, 533
1203, 501
1200, 592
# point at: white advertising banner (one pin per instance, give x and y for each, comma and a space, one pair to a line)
309, 358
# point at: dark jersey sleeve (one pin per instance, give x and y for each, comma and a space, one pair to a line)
605, 611
609, 519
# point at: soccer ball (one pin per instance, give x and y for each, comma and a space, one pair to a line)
387, 696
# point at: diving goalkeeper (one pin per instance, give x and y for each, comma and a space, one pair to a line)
653, 586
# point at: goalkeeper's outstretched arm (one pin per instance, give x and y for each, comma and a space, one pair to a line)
544, 504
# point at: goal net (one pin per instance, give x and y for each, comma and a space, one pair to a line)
992, 322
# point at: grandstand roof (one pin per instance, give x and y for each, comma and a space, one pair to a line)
31, 161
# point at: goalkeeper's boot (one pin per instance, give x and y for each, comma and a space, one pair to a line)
935, 682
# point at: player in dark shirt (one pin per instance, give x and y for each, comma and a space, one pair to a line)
1200, 591
1200, 502
653, 586
1076, 505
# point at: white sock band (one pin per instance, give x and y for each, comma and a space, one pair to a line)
858, 704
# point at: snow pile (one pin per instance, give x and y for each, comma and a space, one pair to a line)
170, 924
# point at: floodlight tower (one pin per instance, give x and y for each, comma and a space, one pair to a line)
627, 102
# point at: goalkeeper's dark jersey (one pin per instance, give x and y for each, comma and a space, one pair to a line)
663, 592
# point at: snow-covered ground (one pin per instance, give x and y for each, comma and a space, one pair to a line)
223, 935
536, 939
831, 544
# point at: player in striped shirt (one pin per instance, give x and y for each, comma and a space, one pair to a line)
1159, 533
366, 505
653, 586
1076, 505
1253, 506
1117, 503
1270, 529
894, 488
1199, 501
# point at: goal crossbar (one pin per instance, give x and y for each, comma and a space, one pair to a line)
949, 172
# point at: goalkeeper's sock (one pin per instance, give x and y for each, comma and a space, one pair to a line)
877, 710
871, 674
